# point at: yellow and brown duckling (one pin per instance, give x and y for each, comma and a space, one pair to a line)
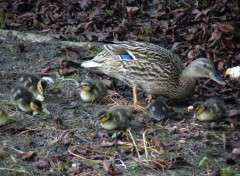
158, 109
117, 117
33, 83
3, 117
152, 68
233, 73
211, 109
92, 90
25, 100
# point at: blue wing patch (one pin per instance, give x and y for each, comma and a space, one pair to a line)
125, 57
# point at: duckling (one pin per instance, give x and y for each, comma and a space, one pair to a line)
158, 109
3, 117
92, 90
211, 109
25, 100
117, 117
233, 73
33, 83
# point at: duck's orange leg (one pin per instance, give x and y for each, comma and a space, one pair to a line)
136, 106
149, 98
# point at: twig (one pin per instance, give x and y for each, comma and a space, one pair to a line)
145, 144
134, 143
122, 163
80, 137
68, 79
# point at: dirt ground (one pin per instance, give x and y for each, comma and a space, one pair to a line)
68, 143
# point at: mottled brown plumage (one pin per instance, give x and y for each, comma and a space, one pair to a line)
152, 68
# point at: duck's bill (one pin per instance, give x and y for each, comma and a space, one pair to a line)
46, 111
218, 80
40, 97
97, 123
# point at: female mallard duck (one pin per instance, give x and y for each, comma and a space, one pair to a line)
117, 117
152, 68
158, 109
3, 117
33, 83
211, 109
25, 100
92, 90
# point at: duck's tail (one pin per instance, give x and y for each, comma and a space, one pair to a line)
91, 64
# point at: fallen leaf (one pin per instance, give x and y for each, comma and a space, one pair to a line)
105, 143
224, 27
71, 104
161, 164
26, 156
110, 169
194, 53
107, 165
66, 68
42, 164
132, 11
220, 65
236, 151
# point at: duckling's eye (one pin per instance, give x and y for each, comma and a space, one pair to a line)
204, 65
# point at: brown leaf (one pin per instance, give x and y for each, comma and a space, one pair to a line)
220, 65
106, 143
71, 104
42, 164
65, 68
236, 151
161, 164
215, 36
224, 27
107, 165
84, 4
132, 11
13, 24
27, 155
234, 112
235, 135
194, 53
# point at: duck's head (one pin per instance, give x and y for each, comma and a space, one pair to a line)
203, 68
36, 105
86, 86
103, 116
42, 84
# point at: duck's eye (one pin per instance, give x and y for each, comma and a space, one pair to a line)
204, 65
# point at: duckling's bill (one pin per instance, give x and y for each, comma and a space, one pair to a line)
40, 97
